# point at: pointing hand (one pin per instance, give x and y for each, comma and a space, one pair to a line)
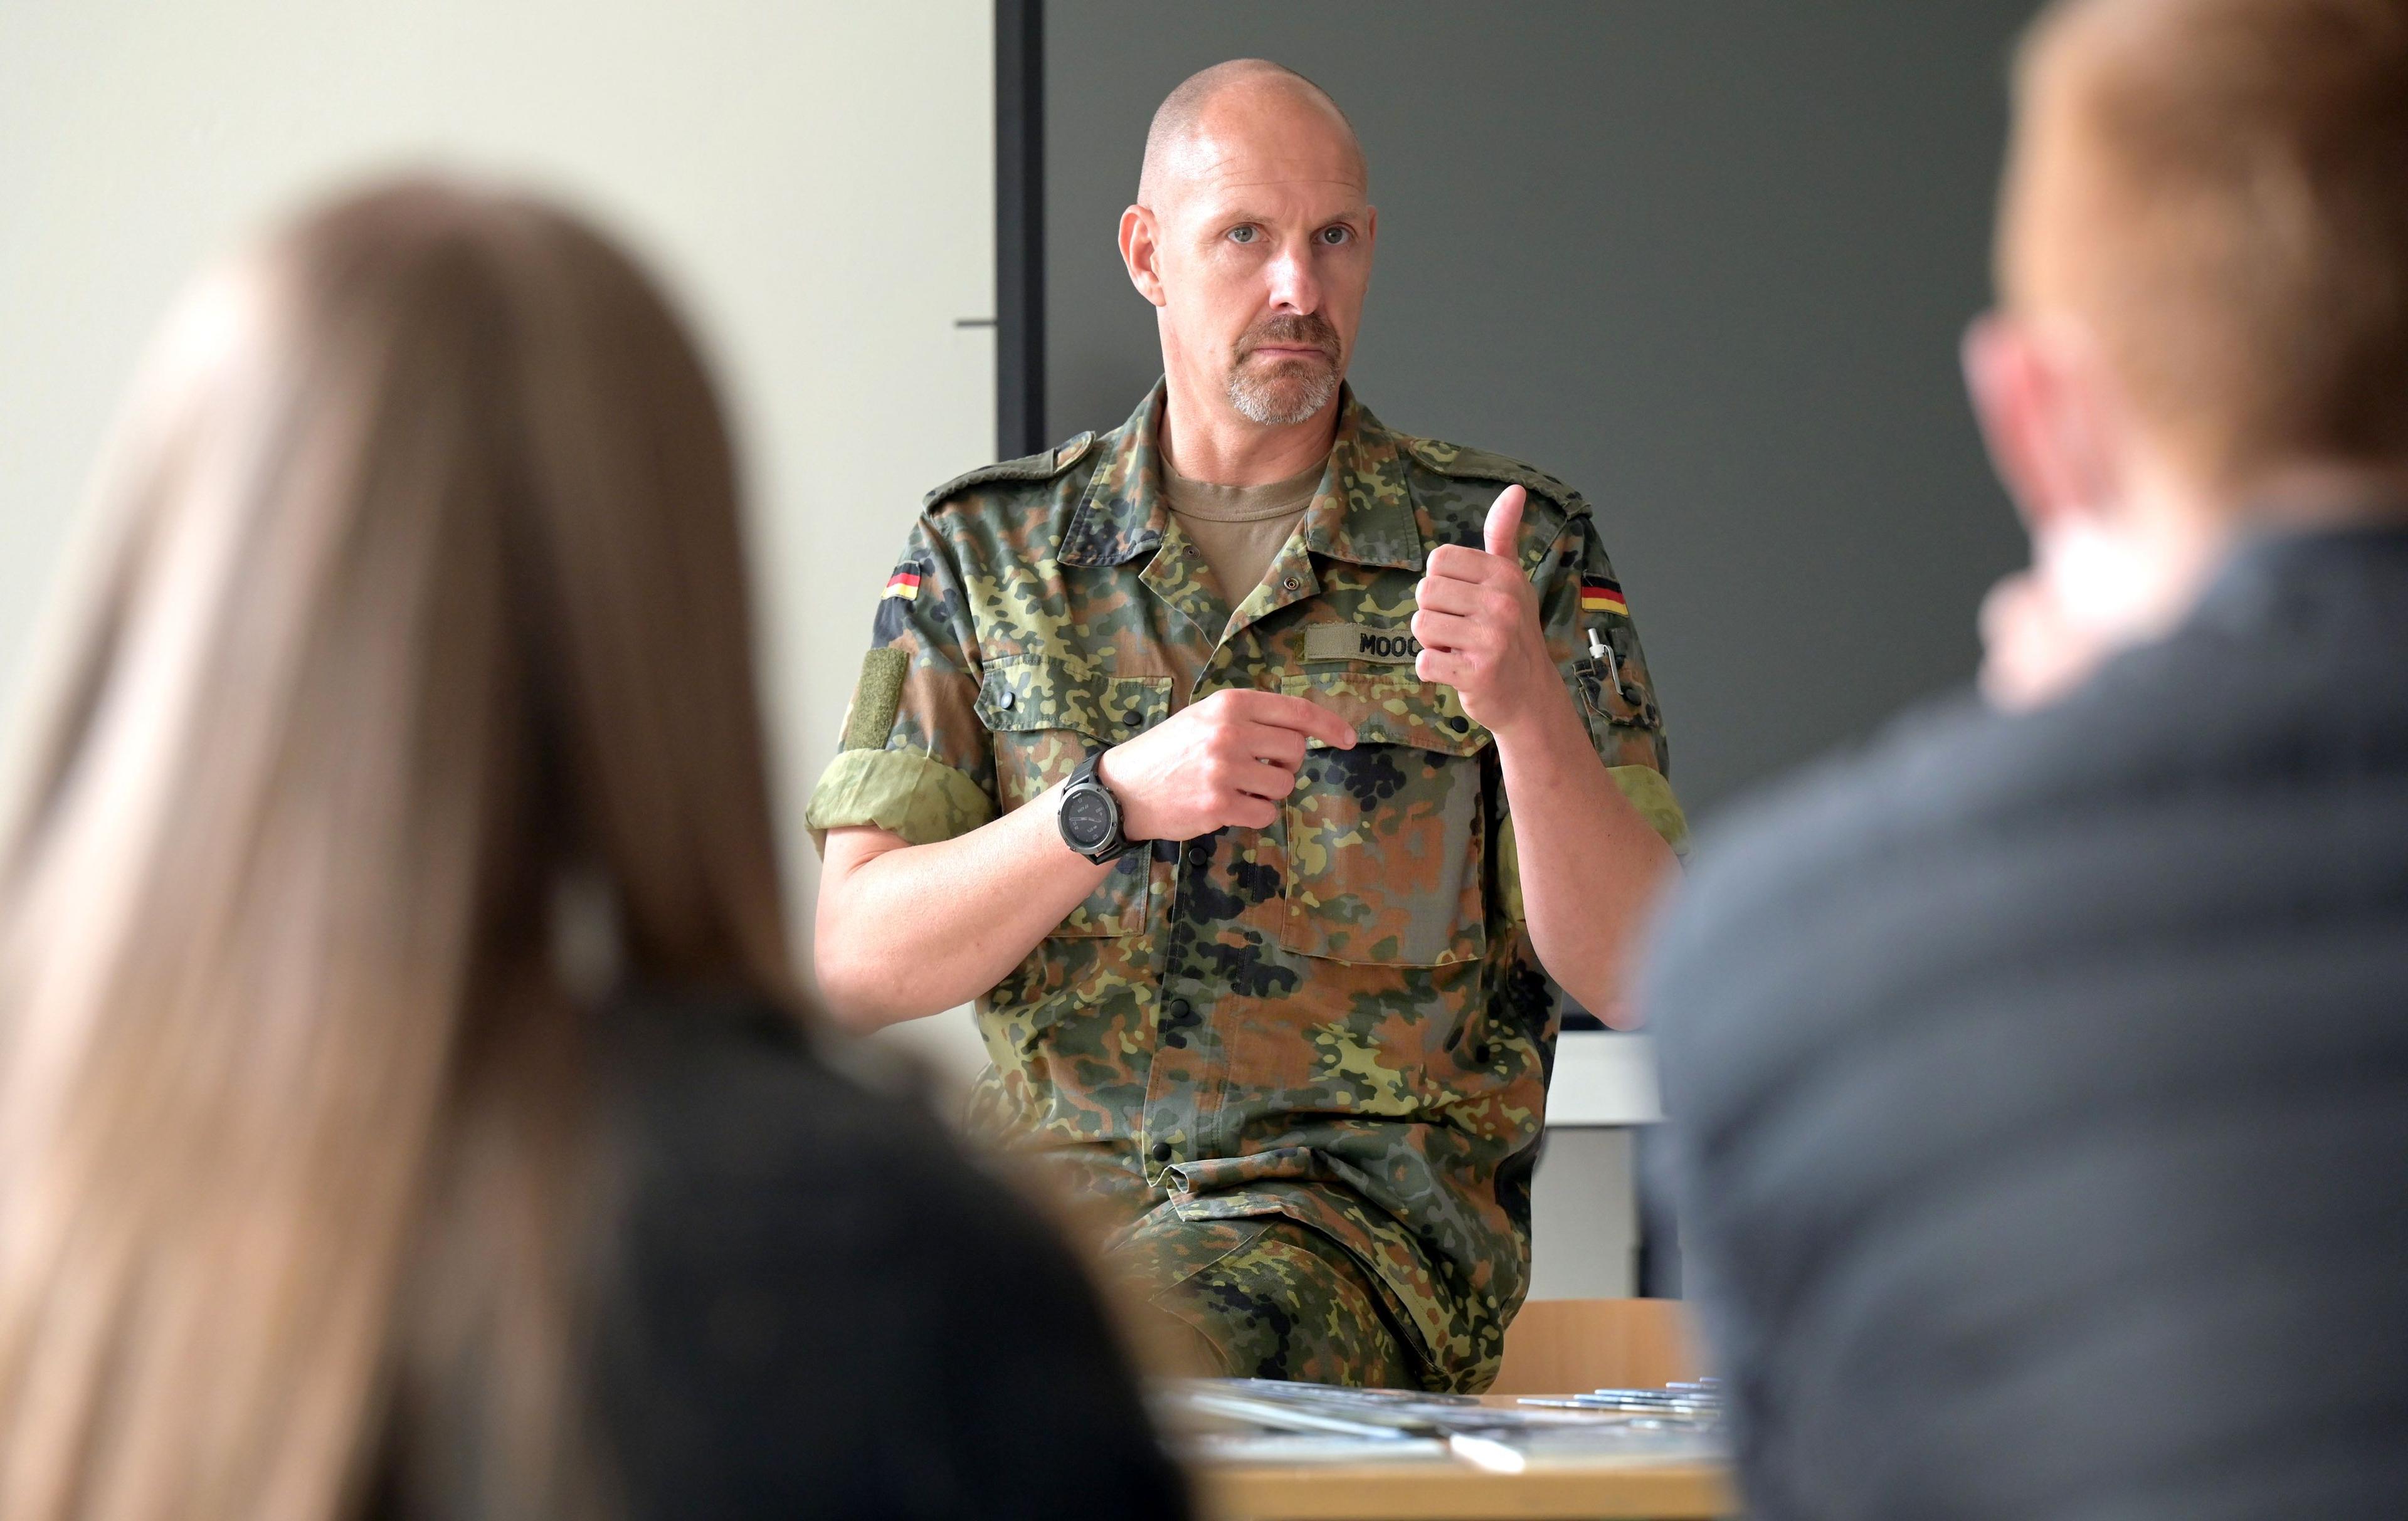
1227, 759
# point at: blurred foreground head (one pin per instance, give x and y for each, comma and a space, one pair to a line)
409, 701
2046, 1074
2203, 263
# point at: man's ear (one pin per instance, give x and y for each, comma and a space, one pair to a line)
2045, 406
1141, 252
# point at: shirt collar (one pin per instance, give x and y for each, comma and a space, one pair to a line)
1363, 513
2281, 566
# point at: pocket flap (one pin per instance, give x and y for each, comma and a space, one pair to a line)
1393, 710
1036, 693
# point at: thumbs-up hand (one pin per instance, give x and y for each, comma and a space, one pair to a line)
1501, 535
1478, 624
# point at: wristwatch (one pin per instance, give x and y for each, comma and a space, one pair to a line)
1090, 816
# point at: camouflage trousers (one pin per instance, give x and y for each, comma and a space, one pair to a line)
1264, 1297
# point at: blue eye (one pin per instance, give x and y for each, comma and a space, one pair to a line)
1242, 234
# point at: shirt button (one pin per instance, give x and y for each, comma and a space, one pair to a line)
1460, 726
1162, 1151
1003, 698
1178, 1009
1290, 584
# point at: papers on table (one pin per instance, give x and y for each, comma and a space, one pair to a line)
1269, 1421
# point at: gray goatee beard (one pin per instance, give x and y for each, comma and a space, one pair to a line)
1283, 396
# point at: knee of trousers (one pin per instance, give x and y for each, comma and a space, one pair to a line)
1272, 1298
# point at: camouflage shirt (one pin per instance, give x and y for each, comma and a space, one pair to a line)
1338, 1018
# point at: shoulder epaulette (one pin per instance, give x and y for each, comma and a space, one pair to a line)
1479, 464
1042, 465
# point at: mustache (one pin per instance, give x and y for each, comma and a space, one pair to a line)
1309, 330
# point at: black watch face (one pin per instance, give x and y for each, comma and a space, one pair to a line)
1087, 819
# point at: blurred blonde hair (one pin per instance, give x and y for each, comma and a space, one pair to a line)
2219, 191
418, 614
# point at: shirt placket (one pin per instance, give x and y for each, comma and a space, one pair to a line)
1187, 1112
1171, 1127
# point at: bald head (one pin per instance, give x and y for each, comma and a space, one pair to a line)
1252, 236
1223, 110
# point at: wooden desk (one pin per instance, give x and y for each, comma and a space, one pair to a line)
1449, 1492
1608, 1490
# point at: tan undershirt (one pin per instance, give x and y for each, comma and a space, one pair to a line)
1240, 530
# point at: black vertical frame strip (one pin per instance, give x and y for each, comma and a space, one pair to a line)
1658, 1256
1020, 227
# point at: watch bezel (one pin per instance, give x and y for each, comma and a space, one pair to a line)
1083, 783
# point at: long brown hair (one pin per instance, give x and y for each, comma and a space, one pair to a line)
418, 614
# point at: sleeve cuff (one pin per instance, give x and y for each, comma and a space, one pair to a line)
900, 791
1649, 793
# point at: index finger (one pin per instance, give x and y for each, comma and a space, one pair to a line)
1281, 711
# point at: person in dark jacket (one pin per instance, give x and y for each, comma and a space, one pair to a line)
407, 1104
2038, 1081
814, 1308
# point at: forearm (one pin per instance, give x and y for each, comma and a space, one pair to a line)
906, 932
1590, 862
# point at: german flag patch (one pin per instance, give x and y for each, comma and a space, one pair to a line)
1599, 594
898, 603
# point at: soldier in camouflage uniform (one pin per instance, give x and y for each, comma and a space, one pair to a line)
1301, 1052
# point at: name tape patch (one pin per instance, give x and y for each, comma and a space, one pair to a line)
1356, 642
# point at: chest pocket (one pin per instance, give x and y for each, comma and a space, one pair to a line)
1046, 716
1384, 842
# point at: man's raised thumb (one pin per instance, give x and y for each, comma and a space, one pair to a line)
1504, 530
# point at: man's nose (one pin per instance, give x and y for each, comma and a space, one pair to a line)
1295, 287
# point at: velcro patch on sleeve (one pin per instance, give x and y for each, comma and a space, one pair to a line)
1355, 642
876, 699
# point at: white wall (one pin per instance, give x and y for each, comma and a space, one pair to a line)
1584, 1217
815, 179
